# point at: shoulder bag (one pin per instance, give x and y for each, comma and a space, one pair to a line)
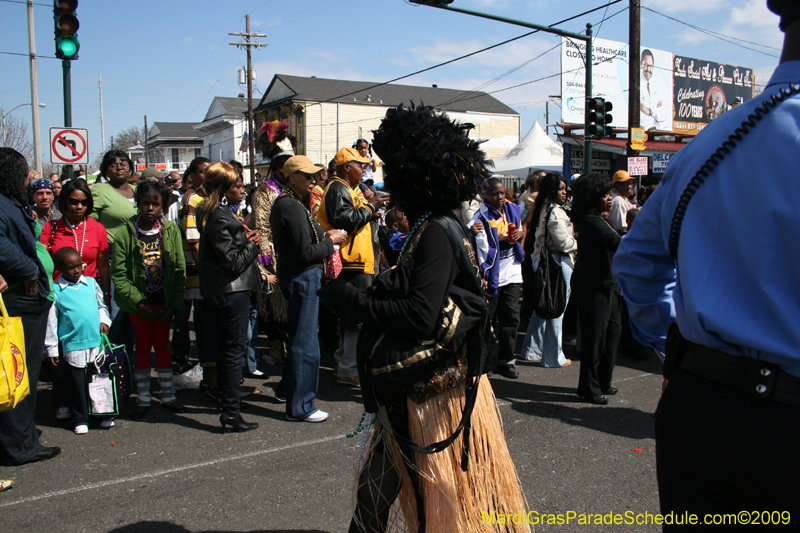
14, 385
549, 281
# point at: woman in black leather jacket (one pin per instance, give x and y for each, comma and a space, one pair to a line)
229, 280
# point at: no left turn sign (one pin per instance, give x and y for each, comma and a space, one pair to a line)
69, 146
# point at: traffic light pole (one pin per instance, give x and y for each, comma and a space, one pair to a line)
587, 143
65, 65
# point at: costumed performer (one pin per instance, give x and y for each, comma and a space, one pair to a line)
277, 145
435, 291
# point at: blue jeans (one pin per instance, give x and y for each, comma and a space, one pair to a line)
252, 335
301, 371
543, 337
19, 441
231, 314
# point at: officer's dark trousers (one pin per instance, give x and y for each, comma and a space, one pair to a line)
720, 450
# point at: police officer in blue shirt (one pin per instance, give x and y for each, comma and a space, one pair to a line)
711, 274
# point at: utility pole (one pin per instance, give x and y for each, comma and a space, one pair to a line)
102, 127
37, 138
634, 46
146, 157
247, 44
547, 117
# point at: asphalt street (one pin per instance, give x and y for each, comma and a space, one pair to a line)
178, 473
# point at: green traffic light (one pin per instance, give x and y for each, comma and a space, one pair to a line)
69, 47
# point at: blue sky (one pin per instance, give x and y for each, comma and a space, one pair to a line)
167, 59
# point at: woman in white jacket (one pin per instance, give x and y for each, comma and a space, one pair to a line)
543, 337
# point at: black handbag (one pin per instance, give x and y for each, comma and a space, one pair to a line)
549, 281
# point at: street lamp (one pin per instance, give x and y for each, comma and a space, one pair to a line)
8, 113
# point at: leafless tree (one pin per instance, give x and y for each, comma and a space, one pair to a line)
129, 137
15, 135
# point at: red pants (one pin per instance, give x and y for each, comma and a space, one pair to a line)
151, 334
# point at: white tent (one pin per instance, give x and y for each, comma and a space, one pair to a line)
536, 151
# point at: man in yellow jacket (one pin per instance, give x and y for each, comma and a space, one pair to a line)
343, 207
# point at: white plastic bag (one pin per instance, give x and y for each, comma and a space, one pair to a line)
189, 379
101, 394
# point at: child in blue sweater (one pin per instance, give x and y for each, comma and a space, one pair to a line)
78, 317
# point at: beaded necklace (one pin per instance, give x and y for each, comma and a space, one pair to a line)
154, 283
417, 225
75, 235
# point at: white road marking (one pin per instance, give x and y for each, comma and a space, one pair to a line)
165, 471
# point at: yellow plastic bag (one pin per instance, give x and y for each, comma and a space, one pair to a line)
14, 384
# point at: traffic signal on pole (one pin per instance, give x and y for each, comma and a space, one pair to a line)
66, 29
598, 119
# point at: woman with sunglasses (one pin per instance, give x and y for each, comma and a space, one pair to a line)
77, 230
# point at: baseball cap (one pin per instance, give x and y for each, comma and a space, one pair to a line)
622, 175
345, 155
299, 163
151, 172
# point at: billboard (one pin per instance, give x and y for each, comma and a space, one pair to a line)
676, 93
609, 79
703, 90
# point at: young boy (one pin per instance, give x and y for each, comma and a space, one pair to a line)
396, 232
77, 319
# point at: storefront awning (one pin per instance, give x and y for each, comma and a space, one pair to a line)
619, 146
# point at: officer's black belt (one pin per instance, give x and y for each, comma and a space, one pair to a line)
757, 378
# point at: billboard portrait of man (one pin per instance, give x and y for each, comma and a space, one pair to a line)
655, 97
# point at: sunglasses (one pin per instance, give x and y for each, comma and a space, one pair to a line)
75, 201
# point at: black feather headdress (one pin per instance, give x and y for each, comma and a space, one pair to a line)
429, 161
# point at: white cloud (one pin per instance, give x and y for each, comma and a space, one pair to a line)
682, 6
754, 13
189, 40
506, 56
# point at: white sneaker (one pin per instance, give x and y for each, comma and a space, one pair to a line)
81, 429
317, 416
257, 373
107, 423
62, 413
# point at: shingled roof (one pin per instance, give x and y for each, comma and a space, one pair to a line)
174, 130
284, 88
233, 106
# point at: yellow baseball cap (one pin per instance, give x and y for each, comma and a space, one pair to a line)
345, 155
619, 175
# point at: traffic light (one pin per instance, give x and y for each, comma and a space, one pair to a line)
598, 119
66, 29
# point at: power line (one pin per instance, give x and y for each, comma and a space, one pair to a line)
721, 36
24, 2
468, 97
468, 55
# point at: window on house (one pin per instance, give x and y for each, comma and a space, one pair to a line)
198, 152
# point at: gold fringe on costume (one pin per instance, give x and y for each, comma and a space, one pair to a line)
274, 304
478, 500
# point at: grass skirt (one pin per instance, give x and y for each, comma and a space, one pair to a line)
454, 501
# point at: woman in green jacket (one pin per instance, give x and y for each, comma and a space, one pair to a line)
149, 274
